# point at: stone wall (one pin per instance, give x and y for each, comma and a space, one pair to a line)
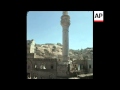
45, 74
30, 46
48, 72
29, 66
47, 62
62, 71
85, 65
30, 55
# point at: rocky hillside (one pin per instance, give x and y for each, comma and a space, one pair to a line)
55, 50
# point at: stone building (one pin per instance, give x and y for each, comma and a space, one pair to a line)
82, 66
30, 46
47, 68
52, 68
41, 68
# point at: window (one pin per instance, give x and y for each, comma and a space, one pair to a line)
35, 77
76, 68
89, 66
51, 66
44, 66
28, 76
81, 66
35, 66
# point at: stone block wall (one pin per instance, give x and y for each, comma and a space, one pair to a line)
30, 55
45, 74
49, 72
62, 71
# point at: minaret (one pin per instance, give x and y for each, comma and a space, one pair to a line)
65, 22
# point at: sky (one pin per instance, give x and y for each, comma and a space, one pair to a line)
44, 27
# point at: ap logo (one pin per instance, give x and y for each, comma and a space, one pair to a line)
98, 16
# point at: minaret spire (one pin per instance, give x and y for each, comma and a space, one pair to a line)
65, 22
65, 12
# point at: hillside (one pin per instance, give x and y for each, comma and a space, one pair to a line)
55, 50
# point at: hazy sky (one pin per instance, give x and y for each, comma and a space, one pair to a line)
44, 27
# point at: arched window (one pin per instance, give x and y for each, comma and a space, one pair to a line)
35, 77
28, 76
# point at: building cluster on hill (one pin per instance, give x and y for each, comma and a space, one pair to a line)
51, 67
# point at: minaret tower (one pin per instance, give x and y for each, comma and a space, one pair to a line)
65, 22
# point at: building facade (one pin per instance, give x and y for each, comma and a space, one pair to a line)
38, 68
53, 68
82, 66
47, 68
